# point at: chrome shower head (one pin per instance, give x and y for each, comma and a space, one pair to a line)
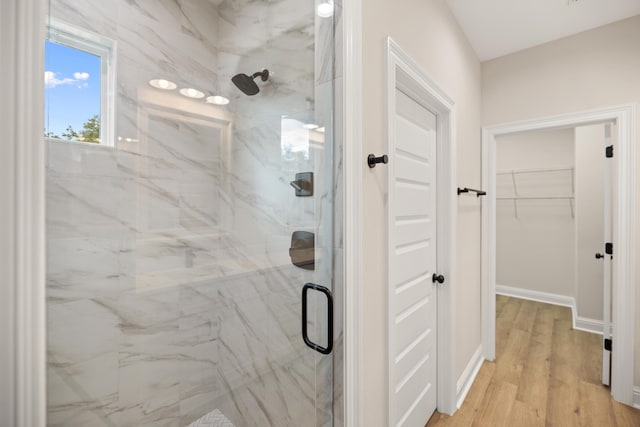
247, 83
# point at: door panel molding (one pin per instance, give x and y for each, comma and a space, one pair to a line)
623, 231
405, 74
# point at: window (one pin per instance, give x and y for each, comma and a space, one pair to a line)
79, 83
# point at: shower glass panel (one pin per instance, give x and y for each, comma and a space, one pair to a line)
185, 215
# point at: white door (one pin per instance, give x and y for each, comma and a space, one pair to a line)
412, 264
606, 300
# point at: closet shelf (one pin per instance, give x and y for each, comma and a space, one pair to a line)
539, 170
515, 195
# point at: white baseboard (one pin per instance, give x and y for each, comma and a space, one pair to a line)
636, 397
588, 325
469, 375
579, 323
545, 297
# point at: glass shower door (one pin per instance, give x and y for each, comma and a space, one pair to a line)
185, 219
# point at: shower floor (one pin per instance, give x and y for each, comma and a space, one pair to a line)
214, 418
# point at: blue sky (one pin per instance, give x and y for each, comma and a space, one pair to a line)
72, 87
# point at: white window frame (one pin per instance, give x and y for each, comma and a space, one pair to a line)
105, 48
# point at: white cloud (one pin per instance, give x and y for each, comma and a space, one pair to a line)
51, 79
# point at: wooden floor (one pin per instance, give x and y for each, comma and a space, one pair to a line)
545, 374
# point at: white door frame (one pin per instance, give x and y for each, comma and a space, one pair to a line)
623, 232
22, 232
353, 162
404, 73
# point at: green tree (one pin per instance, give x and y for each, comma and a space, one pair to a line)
90, 131
51, 135
70, 134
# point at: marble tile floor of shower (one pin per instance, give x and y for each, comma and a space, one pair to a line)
545, 374
214, 418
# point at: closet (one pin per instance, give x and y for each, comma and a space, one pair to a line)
549, 204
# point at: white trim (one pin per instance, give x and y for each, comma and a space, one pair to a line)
469, 376
624, 232
588, 325
636, 397
404, 72
22, 242
580, 323
548, 298
353, 161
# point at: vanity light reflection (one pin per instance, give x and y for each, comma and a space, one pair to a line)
190, 92
163, 84
217, 100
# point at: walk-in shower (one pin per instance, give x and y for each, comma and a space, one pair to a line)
178, 250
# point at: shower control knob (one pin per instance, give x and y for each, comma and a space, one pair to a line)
372, 160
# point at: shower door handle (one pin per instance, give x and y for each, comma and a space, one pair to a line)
305, 336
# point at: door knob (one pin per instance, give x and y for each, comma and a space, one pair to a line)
437, 278
372, 160
599, 255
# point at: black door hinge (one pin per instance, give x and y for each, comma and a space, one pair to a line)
608, 343
608, 248
609, 151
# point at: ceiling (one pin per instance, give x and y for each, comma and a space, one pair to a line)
500, 27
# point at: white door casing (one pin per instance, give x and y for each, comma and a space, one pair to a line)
623, 221
412, 262
22, 195
403, 74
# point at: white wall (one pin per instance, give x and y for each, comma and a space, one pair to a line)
593, 69
535, 237
427, 31
589, 220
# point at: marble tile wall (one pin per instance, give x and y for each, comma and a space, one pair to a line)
170, 291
